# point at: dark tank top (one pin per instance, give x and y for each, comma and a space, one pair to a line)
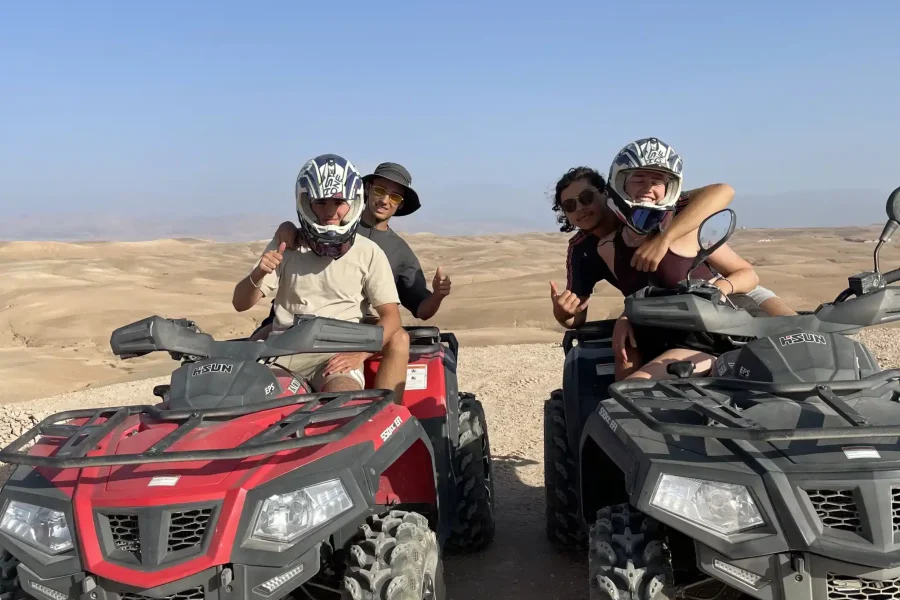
672, 269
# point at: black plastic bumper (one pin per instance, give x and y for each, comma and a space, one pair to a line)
232, 582
799, 576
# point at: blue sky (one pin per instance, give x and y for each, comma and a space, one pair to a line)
198, 107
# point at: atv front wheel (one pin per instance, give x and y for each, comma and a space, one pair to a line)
395, 558
9, 578
628, 558
564, 528
473, 523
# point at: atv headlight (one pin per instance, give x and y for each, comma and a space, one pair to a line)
41, 527
723, 507
285, 517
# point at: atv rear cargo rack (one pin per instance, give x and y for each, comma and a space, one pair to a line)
634, 396
318, 408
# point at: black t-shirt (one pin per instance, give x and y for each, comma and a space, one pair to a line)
408, 275
584, 265
411, 285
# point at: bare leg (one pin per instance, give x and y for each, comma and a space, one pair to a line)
341, 384
632, 363
391, 373
656, 368
775, 306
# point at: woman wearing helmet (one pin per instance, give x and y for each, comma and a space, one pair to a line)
643, 192
333, 273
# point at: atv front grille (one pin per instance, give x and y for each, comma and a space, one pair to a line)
156, 536
895, 508
854, 588
186, 528
837, 509
190, 594
125, 534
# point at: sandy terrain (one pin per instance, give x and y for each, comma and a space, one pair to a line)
59, 303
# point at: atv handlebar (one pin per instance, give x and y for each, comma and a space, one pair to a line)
183, 337
689, 311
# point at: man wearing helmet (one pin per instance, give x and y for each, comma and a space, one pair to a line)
332, 273
389, 193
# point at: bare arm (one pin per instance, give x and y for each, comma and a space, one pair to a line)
701, 203
389, 319
246, 294
740, 274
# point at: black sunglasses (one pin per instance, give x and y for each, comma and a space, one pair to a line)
585, 198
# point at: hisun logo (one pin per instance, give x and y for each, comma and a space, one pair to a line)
212, 368
802, 338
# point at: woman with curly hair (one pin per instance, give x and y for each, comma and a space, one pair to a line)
581, 203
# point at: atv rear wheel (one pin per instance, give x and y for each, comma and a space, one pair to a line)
395, 557
564, 528
473, 523
629, 558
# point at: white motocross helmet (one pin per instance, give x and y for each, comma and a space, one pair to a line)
329, 176
645, 154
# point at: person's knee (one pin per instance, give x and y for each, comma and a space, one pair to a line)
344, 383
398, 344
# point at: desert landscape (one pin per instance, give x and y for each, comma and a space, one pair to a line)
60, 302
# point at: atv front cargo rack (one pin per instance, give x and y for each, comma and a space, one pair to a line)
80, 440
699, 395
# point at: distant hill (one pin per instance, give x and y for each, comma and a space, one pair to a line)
468, 212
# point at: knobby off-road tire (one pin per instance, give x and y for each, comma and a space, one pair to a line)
9, 578
473, 522
564, 529
628, 557
395, 557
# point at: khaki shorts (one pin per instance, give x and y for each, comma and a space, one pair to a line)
310, 367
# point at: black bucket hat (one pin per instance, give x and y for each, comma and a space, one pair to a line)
399, 175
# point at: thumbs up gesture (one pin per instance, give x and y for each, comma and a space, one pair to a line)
271, 259
441, 283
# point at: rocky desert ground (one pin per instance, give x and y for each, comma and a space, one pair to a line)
60, 301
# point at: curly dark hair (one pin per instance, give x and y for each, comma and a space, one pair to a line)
571, 176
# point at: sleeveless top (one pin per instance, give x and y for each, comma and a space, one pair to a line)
671, 271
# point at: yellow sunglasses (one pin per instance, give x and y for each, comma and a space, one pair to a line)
380, 192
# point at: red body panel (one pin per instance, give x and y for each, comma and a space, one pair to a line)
226, 480
427, 403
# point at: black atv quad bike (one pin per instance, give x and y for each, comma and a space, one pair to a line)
777, 477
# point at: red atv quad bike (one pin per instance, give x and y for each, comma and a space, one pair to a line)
240, 484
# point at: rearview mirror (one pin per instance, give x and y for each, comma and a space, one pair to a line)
893, 206
713, 232
893, 213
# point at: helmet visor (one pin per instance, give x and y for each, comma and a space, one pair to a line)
648, 220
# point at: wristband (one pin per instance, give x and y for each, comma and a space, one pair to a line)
256, 285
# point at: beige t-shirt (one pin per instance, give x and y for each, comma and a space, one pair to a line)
346, 288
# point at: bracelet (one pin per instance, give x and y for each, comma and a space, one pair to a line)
729, 283
256, 285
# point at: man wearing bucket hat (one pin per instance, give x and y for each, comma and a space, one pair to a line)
388, 193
